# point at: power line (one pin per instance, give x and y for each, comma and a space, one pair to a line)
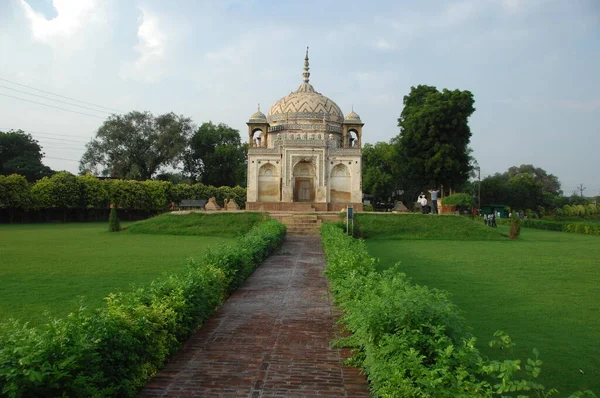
61, 96
52, 106
70, 160
52, 99
41, 132
62, 139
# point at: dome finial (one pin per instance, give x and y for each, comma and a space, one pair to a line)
306, 73
259, 106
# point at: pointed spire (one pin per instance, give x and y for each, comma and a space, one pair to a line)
306, 73
259, 106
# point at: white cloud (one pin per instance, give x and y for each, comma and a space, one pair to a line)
513, 6
458, 12
65, 29
383, 44
151, 48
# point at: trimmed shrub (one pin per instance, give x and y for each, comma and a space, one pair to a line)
412, 341
586, 228
515, 227
114, 225
459, 200
115, 350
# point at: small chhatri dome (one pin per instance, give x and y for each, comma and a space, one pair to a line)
258, 117
305, 103
352, 117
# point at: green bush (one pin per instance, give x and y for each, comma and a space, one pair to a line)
459, 200
411, 340
115, 350
587, 228
515, 227
114, 225
66, 191
368, 208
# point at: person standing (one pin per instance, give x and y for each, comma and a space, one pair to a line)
434, 196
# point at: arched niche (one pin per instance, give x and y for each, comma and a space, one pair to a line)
340, 187
268, 183
304, 181
353, 137
257, 137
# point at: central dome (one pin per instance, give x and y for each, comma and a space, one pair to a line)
305, 103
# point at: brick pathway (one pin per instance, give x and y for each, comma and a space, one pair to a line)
272, 338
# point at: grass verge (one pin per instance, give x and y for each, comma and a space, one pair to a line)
541, 289
421, 226
55, 268
198, 224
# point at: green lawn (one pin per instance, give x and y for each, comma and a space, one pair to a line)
543, 290
48, 267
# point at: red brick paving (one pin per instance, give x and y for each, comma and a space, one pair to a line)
272, 338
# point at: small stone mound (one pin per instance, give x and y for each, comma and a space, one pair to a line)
212, 204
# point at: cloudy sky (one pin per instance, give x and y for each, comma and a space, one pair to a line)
532, 65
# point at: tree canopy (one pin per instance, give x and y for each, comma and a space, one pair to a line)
433, 144
379, 170
21, 154
216, 156
522, 187
137, 145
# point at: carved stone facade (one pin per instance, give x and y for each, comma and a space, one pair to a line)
305, 155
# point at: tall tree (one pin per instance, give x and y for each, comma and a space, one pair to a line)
137, 145
433, 144
216, 156
378, 164
21, 154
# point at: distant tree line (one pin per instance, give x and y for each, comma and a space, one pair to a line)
432, 151
90, 197
141, 146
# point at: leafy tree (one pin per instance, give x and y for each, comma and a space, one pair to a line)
94, 191
433, 144
378, 163
549, 182
61, 191
15, 193
216, 156
21, 154
136, 145
523, 187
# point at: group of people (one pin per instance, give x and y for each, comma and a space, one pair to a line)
490, 219
425, 208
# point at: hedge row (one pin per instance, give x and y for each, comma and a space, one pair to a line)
411, 340
117, 349
66, 191
586, 228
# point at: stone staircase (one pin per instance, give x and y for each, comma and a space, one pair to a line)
302, 224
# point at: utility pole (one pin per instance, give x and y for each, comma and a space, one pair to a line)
581, 188
479, 189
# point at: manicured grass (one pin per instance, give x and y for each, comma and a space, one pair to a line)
48, 267
199, 224
543, 290
423, 226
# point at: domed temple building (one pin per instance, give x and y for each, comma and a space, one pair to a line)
305, 155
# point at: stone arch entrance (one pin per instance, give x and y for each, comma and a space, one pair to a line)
268, 183
340, 184
304, 182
